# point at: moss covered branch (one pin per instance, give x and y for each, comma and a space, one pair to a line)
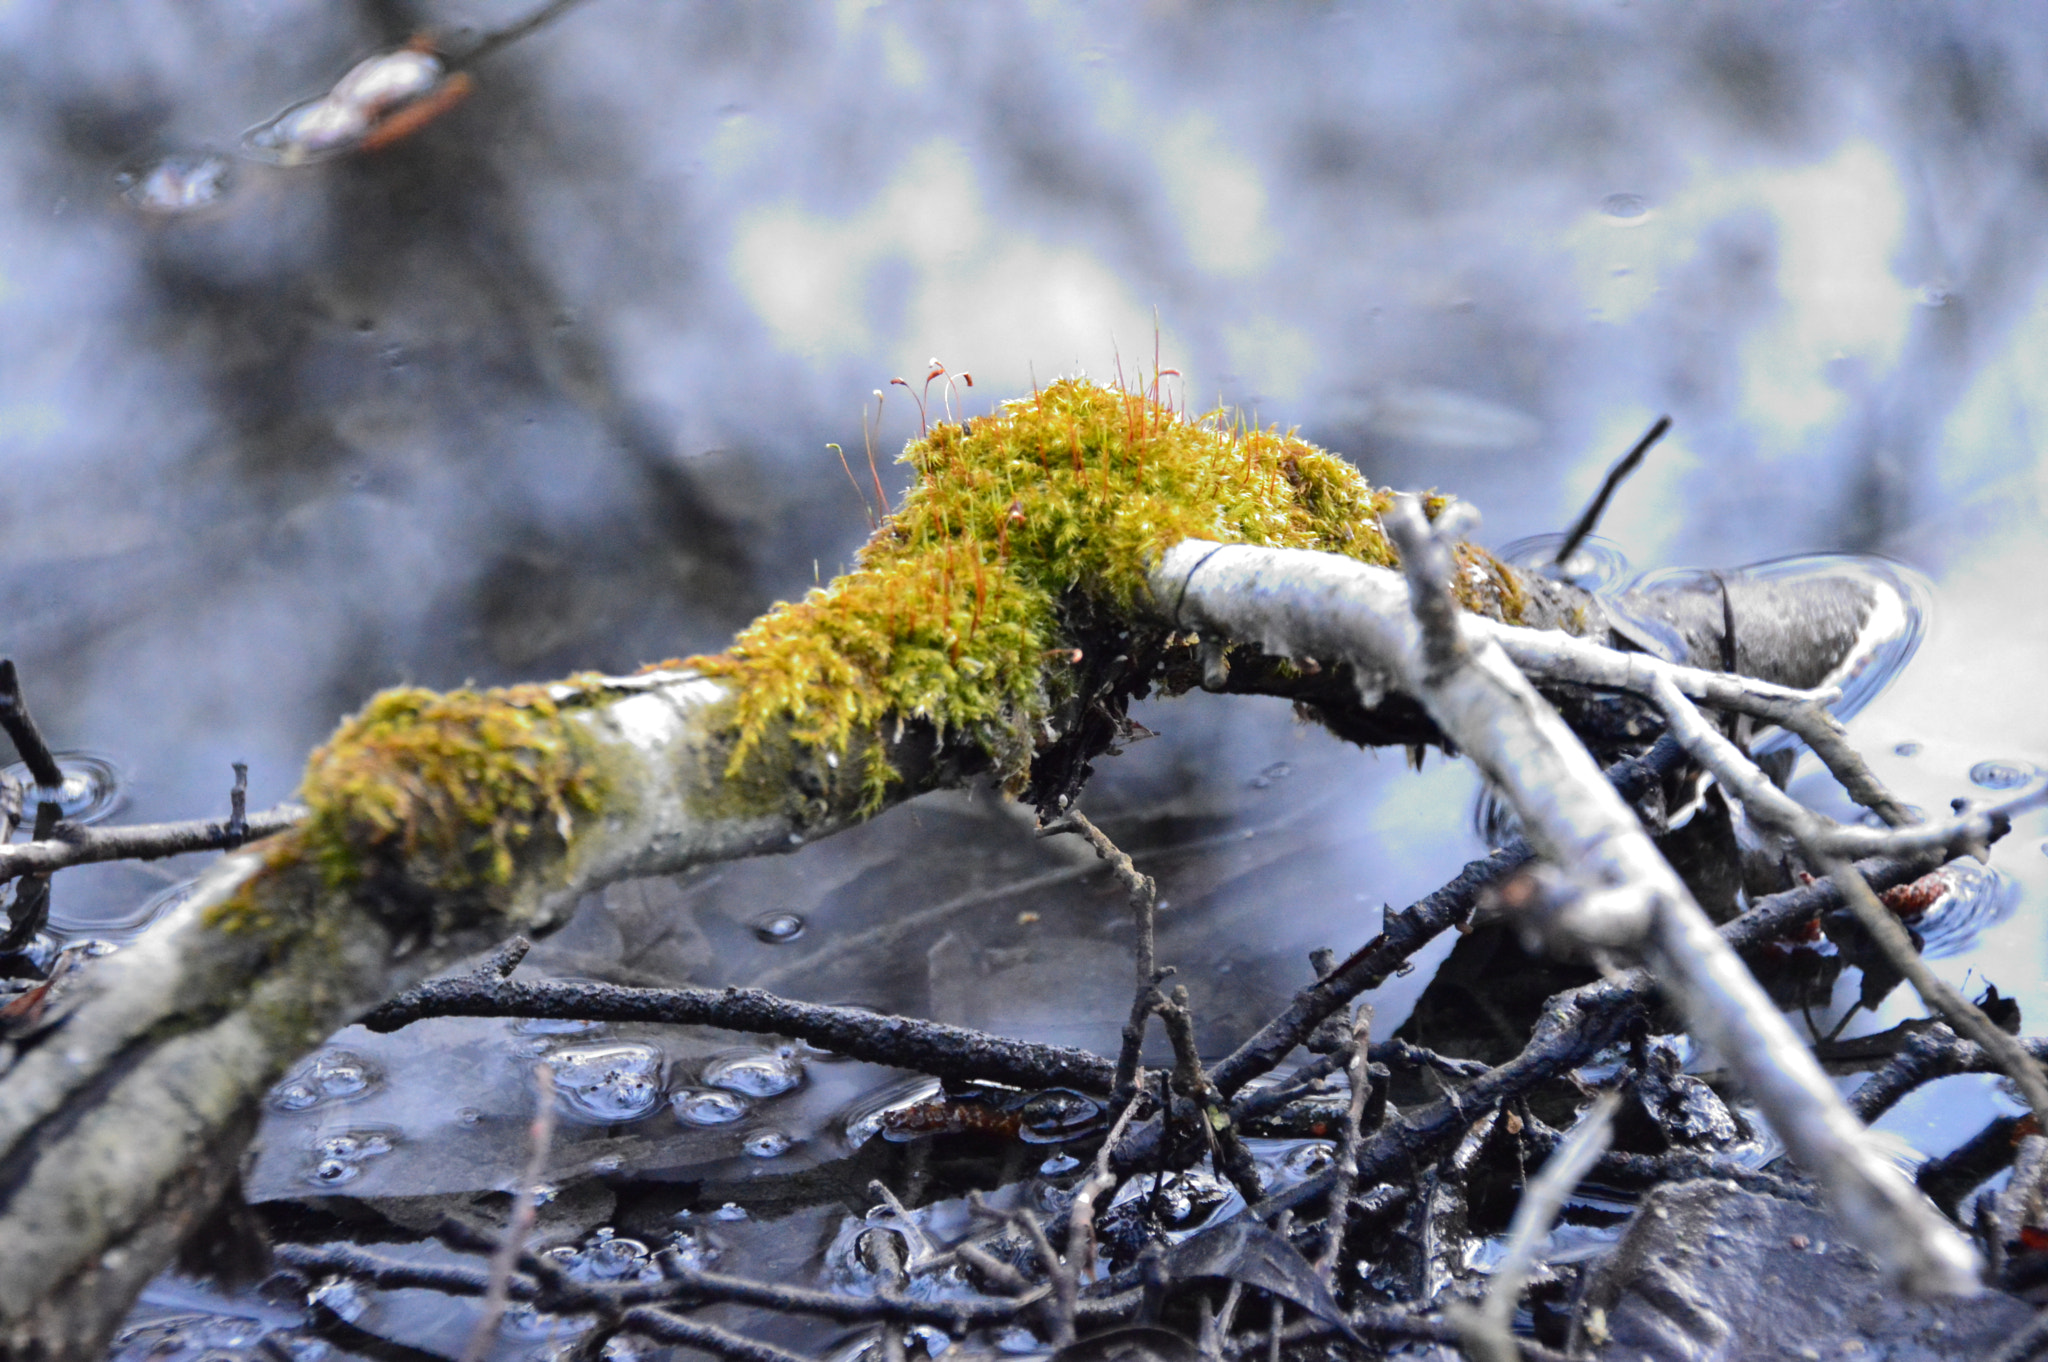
998, 622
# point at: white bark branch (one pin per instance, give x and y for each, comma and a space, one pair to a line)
1830, 845
1295, 603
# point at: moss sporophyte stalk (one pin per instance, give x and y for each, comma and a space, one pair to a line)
966, 611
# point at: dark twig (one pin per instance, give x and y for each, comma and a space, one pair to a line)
550, 1289
502, 960
1370, 966
1410, 1058
1143, 896
1950, 1177
1937, 1052
1624, 1172
21, 727
1233, 1160
1409, 930
663, 1327
1337, 1219
953, 1052
1302, 1083
68, 845
1573, 1027
1615, 476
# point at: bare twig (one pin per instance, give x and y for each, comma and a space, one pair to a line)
28, 739
1337, 1220
1143, 896
1771, 806
1081, 1215
525, 1202
1969, 833
1233, 1160
1486, 1329
70, 845
1305, 604
1615, 476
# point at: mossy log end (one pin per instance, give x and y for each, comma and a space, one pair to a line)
998, 622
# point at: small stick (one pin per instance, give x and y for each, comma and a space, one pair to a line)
1486, 1330
1627, 465
525, 1202
1337, 1219
1233, 1160
28, 739
68, 845
1081, 1215
1066, 1289
503, 959
1143, 896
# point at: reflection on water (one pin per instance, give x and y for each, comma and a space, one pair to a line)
92, 791
1595, 565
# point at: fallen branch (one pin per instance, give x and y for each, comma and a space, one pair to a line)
1937, 1052
439, 824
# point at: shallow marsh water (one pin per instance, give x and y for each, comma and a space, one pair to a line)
549, 387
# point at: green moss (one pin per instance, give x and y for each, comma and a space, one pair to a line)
455, 786
1017, 523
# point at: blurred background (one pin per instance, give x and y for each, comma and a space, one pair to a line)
549, 386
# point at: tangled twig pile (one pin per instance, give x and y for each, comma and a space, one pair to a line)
1051, 564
